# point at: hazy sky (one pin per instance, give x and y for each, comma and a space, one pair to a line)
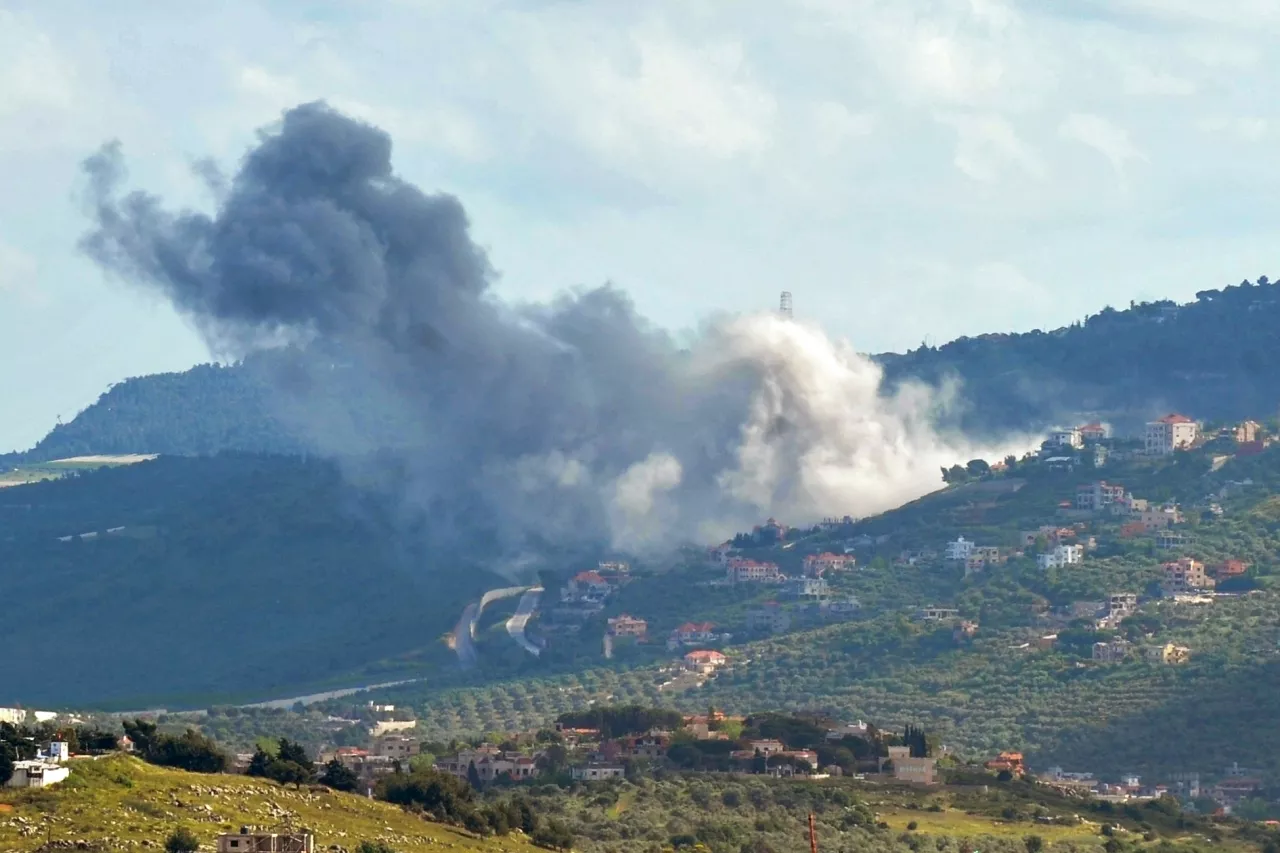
908, 168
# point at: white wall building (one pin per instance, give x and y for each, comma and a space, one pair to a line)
1170, 433
961, 549
1069, 437
36, 774
1061, 555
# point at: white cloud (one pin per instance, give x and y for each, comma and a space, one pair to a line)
17, 268
986, 143
658, 93
33, 73
1240, 128
1140, 80
1108, 139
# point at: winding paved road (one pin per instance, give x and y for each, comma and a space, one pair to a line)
464, 634
520, 620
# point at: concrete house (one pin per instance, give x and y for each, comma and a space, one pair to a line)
1170, 433
704, 661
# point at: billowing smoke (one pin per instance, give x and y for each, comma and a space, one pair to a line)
570, 423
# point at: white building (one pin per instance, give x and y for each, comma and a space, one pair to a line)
597, 772
1061, 555
400, 747
59, 751
959, 550
1069, 437
1170, 433
36, 774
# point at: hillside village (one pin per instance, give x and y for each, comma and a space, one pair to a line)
1101, 509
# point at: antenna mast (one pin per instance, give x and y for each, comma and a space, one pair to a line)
784, 304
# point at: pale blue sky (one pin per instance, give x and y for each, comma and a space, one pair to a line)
908, 168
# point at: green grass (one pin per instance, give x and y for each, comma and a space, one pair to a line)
120, 802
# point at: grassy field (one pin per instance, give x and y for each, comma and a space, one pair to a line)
121, 803
56, 468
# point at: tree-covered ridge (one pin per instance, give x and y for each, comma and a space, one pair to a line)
1215, 357
204, 410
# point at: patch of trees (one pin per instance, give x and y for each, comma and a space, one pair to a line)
623, 720
288, 764
448, 799
190, 750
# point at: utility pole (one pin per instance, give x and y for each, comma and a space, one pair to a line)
813, 835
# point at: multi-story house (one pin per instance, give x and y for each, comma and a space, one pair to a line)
1185, 576
587, 586
1170, 433
1167, 654
959, 550
815, 565
813, 589
1061, 555
743, 570
1122, 604
1158, 518
769, 617
1111, 652
1099, 496
628, 626
490, 763
1095, 432
1067, 437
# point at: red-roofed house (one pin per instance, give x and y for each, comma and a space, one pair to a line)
816, 564
692, 633
743, 570
704, 661
1011, 761
1230, 569
1095, 431
589, 585
1170, 433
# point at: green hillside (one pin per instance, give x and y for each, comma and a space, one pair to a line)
120, 803
997, 690
201, 580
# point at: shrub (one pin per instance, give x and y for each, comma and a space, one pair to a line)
374, 847
182, 840
553, 835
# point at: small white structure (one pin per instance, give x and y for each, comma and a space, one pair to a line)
59, 751
961, 549
1069, 437
597, 772
36, 774
1061, 555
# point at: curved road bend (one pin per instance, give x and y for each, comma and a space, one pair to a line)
464, 635
520, 620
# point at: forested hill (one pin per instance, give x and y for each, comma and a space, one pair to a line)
204, 410
1215, 358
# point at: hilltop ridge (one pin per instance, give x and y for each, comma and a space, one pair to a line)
1215, 356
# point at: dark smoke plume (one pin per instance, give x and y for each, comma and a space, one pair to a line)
574, 423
